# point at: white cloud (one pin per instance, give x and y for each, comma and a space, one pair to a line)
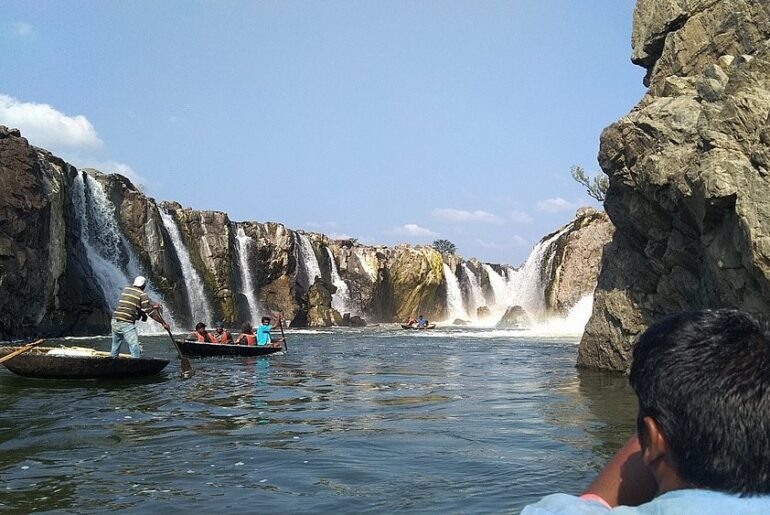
22, 29
459, 215
516, 241
556, 205
413, 230
520, 217
46, 127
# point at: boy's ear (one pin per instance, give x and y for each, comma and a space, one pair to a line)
657, 445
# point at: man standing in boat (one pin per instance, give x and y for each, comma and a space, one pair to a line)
134, 304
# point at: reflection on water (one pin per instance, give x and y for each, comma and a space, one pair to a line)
349, 421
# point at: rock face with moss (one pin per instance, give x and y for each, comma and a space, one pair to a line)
689, 173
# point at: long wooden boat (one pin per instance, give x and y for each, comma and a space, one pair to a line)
414, 326
199, 349
69, 363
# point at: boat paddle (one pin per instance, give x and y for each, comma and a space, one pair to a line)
184, 362
22, 350
283, 335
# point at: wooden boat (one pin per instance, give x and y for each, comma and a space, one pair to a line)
199, 349
414, 326
79, 363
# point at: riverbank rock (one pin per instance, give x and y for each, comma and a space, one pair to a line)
689, 171
515, 317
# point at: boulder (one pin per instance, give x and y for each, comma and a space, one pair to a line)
352, 321
515, 317
483, 312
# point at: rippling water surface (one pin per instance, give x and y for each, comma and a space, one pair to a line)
348, 421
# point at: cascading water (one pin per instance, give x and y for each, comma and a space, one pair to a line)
340, 298
454, 296
476, 297
98, 238
499, 287
200, 309
307, 260
526, 286
244, 242
113, 262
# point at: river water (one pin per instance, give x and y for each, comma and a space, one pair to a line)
376, 420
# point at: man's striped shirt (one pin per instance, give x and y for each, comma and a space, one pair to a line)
132, 303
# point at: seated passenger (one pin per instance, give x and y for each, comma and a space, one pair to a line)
702, 442
422, 322
263, 333
247, 336
200, 334
221, 334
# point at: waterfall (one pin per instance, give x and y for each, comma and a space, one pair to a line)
99, 238
247, 281
476, 299
200, 310
526, 286
341, 298
112, 259
499, 287
454, 297
308, 262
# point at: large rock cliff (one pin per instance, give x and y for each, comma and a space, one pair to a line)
689, 174
71, 240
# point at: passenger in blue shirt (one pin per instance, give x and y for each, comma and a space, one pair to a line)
263, 333
702, 445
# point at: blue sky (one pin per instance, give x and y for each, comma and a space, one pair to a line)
391, 122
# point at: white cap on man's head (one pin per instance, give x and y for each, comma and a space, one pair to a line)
140, 281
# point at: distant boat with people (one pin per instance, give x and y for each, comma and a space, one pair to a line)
415, 327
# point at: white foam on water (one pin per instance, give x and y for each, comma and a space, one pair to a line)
570, 326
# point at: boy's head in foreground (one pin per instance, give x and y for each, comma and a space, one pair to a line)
703, 383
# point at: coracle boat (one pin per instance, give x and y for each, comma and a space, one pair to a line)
79, 363
414, 326
199, 349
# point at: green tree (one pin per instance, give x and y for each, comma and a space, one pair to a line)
445, 246
596, 186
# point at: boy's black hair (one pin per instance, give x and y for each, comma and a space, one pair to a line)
265, 319
200, 325
704, 376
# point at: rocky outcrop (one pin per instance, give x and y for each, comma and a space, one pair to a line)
577, 254
689, 175
46, 287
